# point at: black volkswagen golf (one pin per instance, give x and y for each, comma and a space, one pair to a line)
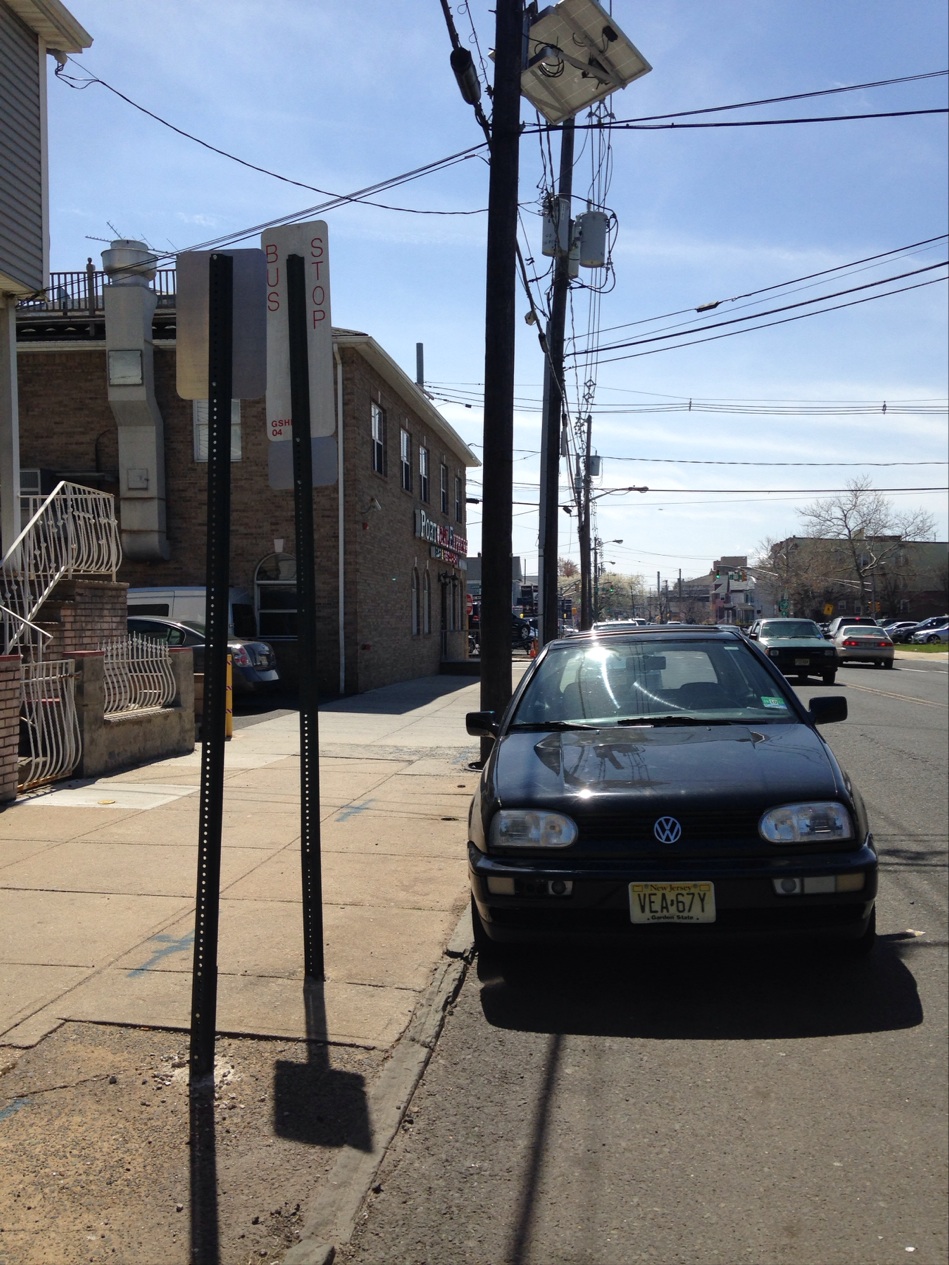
665, 785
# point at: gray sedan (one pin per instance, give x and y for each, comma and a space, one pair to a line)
862, 644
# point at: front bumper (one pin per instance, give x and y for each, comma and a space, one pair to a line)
596, 906
804, 662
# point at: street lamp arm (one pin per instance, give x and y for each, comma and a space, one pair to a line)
609, 492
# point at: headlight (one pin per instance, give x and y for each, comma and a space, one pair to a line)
521, 828
806, 823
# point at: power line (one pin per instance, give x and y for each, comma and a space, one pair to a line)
825, 118
797, 96
754, 316
856, 264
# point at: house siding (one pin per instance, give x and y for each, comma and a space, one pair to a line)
22, 220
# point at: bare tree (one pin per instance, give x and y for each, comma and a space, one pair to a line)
799, 574
870, 530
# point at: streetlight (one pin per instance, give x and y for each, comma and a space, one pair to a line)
584, 498
597, 568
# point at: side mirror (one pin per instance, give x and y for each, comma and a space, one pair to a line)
481, 724
825, 710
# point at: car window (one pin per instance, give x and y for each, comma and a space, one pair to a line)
630, 679
167, 633
789, 628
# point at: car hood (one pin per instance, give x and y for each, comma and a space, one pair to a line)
797, 643
715, 765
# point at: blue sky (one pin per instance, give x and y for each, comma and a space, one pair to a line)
339, 97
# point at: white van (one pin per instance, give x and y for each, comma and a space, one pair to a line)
188, 605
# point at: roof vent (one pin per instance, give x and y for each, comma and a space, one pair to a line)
129, 263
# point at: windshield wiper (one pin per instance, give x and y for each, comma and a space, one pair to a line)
678, 718
538, 726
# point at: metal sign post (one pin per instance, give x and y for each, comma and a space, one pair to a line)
204, 978
221, 356
310, 861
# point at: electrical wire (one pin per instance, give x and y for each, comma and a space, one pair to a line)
834, 307
81, 85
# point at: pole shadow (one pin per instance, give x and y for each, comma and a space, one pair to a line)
205, 1232
314, 1103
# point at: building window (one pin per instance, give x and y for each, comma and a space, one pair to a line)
427, 603
459, 516
423, 488
199, 415
443, 484
416, 604
379, 464
405, 448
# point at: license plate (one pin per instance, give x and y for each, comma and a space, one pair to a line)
801, 663
671, 902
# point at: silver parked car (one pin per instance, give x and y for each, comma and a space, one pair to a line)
859, 643
931, 636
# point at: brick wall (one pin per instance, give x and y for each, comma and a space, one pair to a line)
82, 614
66, 426
10, 694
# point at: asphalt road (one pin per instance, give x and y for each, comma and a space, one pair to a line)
738, 1107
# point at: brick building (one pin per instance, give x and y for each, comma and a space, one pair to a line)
389, 531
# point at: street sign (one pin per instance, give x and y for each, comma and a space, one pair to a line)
248, 359
311, 243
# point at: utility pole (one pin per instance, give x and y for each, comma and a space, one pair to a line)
583, 531
496, 546
553, 396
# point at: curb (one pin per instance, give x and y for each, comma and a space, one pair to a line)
331, 1218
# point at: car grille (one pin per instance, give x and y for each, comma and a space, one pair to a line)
699, 829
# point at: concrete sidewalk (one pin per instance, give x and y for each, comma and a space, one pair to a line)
97, 878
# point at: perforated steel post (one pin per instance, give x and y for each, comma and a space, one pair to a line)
310, 861
220, 373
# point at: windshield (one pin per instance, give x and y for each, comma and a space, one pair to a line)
790, 628
631, 679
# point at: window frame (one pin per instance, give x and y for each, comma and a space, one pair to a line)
405, 458
424, 467
379, 455
199, 431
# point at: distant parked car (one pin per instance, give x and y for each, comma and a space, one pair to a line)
253, 663
931, 636
901, 629
858, 643
932, 624
797, 647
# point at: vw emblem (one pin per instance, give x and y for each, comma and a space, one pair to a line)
667, 830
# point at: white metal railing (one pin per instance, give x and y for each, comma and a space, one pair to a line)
137, 674
72, 532
49, 728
